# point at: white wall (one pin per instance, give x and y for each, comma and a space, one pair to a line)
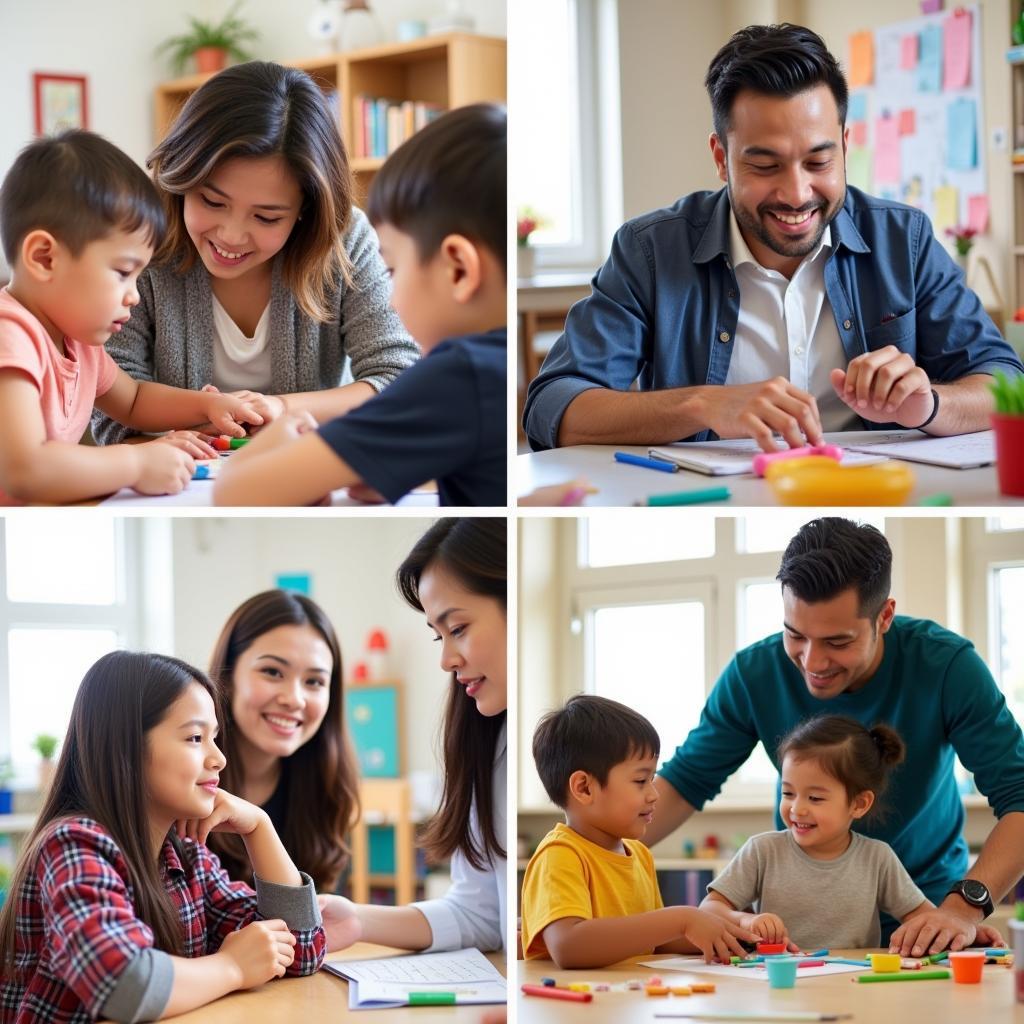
220, 562
112, 43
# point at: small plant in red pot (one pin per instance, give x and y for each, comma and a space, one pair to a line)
1008, 424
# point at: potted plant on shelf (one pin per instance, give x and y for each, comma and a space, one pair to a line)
526, 224
46, 746
6, 796
210, 43
1008, 424
963, 240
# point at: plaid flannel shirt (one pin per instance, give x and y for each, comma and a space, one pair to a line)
77, 929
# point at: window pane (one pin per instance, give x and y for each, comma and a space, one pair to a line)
46, 666
623, 538
760, 612
1009, 590
651, 657
39, 568
772, 532
543, 87
997, 524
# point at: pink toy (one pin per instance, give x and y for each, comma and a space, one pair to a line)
765, 459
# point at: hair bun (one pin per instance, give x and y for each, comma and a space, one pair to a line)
891, 748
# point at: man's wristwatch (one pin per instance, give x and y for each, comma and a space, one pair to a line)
976, 893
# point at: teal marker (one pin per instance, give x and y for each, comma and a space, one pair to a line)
688, 497
431, 998
936, 501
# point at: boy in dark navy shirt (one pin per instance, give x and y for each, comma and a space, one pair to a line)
438, 205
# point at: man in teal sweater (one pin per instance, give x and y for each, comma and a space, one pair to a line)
843, 650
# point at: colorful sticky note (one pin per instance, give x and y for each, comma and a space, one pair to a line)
962, 135
908, 121
908, 52
947, 205
957, 50
858, 168
862, 59
929, 64
887, 150
977, 213
859, 133
857, 109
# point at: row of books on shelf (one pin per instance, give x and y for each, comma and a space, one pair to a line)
382, 125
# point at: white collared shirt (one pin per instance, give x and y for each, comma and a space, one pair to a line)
786, 328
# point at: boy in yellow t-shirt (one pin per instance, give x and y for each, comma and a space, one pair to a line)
590, 894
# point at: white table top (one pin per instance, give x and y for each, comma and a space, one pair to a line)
620, 484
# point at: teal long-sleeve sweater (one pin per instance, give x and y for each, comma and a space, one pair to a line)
932, 687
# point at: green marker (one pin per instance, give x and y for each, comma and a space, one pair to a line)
936, 501
865, 979
432, 998
935, 957
688, 497
237, 442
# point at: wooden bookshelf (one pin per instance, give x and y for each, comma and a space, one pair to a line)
452, 70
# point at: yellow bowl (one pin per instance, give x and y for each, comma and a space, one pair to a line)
821, 481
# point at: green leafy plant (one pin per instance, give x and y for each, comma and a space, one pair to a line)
1009, 394
229, 35
46, 745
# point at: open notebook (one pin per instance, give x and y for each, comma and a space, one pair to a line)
731, 458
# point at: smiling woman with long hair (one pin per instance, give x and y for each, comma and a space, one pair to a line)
456, 575
278, 664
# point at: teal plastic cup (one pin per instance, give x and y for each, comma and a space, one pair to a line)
781, 971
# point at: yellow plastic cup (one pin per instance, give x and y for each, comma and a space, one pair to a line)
884, 963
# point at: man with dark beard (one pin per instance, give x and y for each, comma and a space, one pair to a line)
843, 310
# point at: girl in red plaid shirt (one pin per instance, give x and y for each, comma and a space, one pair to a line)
117, 908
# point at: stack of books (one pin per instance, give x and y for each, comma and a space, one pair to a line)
382, 125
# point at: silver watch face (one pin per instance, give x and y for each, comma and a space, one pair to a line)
974, 891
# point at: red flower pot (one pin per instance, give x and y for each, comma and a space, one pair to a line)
1009, 431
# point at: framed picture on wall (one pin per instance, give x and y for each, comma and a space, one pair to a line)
62, 102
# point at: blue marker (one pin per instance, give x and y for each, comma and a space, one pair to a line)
201, 473
639, 460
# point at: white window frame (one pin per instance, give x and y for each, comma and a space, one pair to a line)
595, 147
141, 547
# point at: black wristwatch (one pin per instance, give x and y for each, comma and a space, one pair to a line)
976, 893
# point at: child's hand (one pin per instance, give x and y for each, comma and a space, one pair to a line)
259, 951
230, 814
270, 407
227, 413
714, 937
341, 926
193, 442
770, 928
364, 492
163, 468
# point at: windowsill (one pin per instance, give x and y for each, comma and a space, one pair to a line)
555, 278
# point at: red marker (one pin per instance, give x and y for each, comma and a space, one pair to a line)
811, 963
557, 993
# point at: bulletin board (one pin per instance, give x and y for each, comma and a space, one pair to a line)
915, 116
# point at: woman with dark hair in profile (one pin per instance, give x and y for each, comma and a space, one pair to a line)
456, 576
278, 666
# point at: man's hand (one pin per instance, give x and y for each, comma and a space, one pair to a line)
886, 387
760, 410
934, 930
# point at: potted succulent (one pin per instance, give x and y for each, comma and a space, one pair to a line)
46, 746
6, 796
1008, 424
210, 43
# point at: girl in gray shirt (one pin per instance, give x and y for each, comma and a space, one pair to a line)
268, 282
818, 883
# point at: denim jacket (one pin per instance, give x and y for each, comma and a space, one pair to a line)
665, 304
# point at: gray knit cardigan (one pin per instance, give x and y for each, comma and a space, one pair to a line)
170, 335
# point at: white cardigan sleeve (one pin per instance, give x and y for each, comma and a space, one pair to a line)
473, 912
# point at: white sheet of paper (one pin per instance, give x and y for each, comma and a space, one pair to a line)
387, 982
961, 451
200, 493
682, 963
731, 458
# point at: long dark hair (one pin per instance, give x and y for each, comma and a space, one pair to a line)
264, 109
473, 552
322, 797
101, 775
